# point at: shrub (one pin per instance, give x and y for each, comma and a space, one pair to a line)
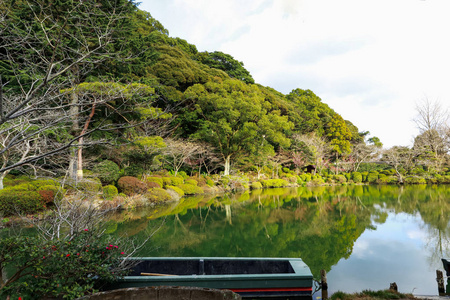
356, 177
107, 171
157, 195
176, 180
372, 177
176, 190
415, 180
183, 175
158, 180
131, 185
191, 181
256, 185
151, 185
20, 202
60, 268
317, 181
109, 192
90, 185
274, 183
57, 191
305, 177
190, 189
166, 181
210, 182
364, 176
134, 171
340, 178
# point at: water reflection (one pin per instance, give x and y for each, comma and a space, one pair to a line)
364, 236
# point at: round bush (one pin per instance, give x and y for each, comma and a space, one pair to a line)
256, 185
157, 180
91, 185
152, 184
356, 177
131, 185
176, 180
109, 192
157, 195
191, 181
176, 190
372, 177
107, 171
190, 189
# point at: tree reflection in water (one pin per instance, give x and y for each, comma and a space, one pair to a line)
318, 224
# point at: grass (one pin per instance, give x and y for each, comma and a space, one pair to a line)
371, 295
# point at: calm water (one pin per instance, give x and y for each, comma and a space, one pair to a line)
365, 237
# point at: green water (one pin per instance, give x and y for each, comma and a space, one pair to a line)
365, 237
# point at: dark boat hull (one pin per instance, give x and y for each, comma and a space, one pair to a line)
249, 277
446, 264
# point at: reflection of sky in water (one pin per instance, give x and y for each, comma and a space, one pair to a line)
391, 253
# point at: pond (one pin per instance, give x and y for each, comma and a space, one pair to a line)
365, 237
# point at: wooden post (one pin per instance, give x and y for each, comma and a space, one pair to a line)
440, 281
324, 284
323, 276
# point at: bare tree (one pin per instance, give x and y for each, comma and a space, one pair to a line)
316, 149
44, 49
180, 151
401, 159
433, 122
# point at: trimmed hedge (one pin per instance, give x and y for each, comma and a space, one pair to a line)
256, 185
109, 192
14, 202
131, 185
190, 189
176, 190
157, 195
274, 183
158, 180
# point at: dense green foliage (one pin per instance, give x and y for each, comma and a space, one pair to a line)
66, 267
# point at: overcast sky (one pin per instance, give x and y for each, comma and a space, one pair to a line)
369, 60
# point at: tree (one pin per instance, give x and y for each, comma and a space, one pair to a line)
315, 148
401, 159
432, 120
46, 47
178, 152
227, 63
235, 119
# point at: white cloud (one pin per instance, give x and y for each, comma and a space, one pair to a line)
369, 60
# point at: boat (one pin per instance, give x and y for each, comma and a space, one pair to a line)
249, 277
446, 263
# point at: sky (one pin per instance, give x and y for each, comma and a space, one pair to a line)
372, 61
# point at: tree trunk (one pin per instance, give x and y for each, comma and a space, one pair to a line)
80, 159
2, 176
227, 165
